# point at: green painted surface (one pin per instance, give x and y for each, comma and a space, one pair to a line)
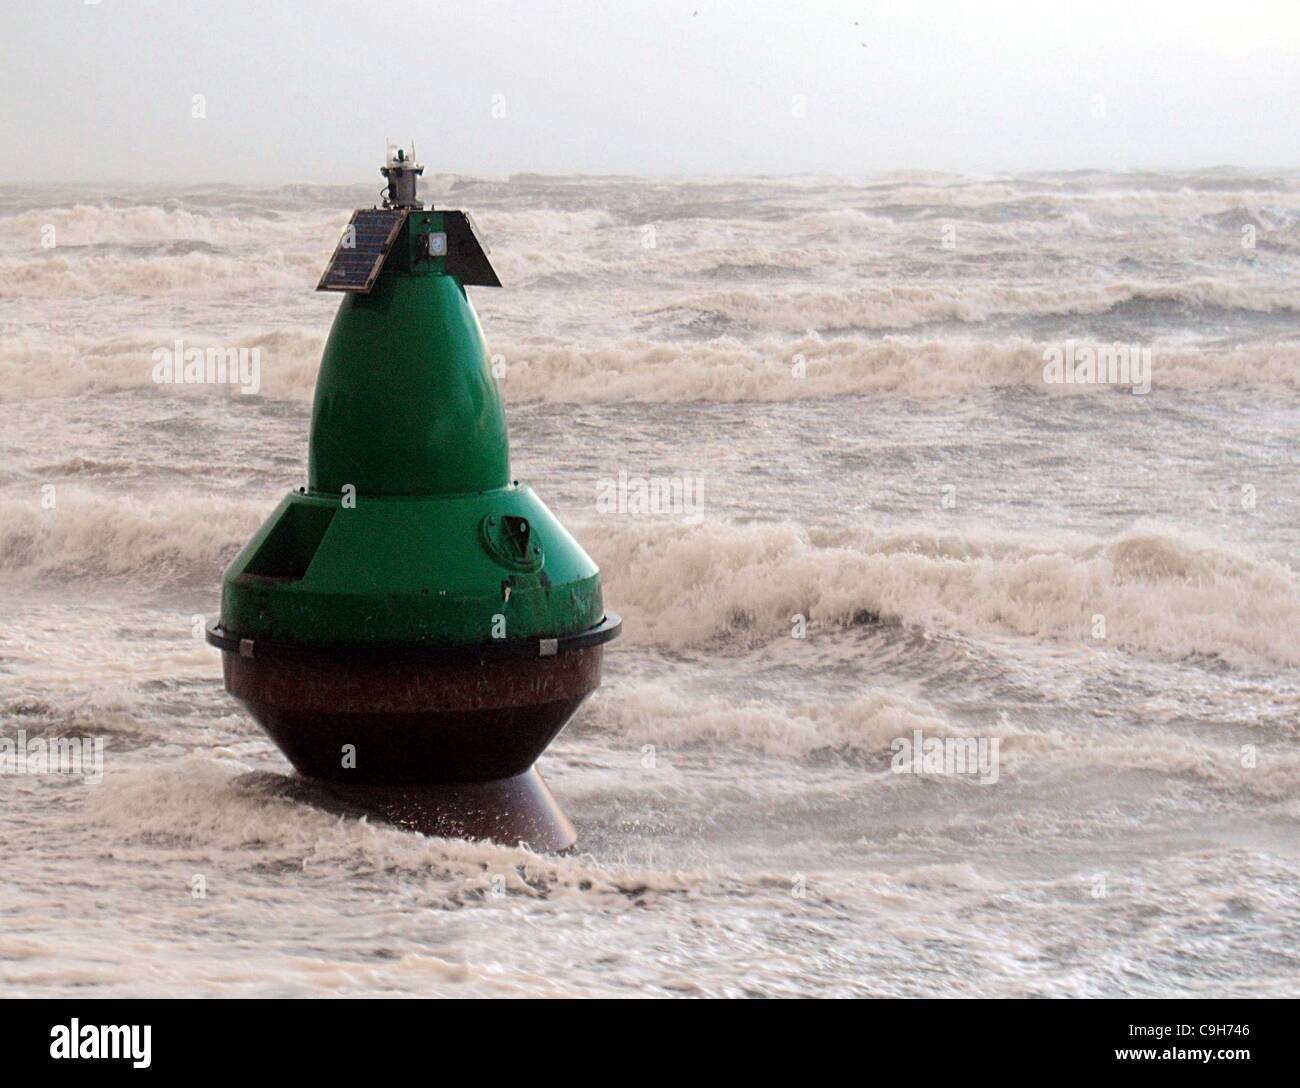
407, 255
410, 530
405, 400
413, 570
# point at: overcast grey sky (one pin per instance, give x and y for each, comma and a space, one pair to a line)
309, 89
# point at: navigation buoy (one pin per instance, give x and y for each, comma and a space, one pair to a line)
413, 628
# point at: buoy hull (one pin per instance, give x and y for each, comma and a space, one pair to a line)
515, 811
413, 722
443, 748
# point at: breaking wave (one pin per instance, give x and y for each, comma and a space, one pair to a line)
867, 725
207, 806
36, 364
812, 366
90, 225
89, 535
1160, 592
907, 305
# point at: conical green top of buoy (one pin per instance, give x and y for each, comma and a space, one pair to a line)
405, 400
410, 529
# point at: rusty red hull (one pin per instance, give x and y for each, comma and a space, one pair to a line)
443, 747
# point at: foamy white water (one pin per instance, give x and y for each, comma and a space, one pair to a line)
864, 408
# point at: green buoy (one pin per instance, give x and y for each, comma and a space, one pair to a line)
413, 628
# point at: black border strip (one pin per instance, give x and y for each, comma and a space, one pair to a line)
228, 1035
605, 631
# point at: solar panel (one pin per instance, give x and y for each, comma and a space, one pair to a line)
361, 251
